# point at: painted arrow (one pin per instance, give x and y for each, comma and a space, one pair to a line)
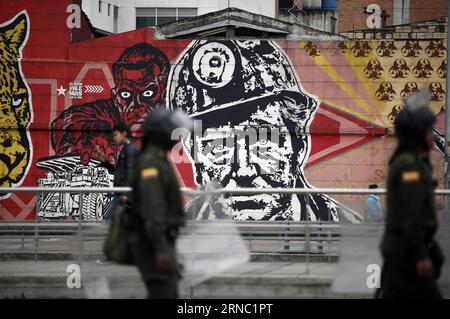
93, 88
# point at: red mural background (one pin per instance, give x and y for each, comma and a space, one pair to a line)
55, 56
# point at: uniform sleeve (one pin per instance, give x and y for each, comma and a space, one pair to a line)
411, 193
153, 206
131, 153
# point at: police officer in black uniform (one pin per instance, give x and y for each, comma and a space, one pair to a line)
412, 259
157, 212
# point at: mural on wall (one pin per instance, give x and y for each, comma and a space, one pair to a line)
274, 113
15, 104
69, 172
140, 78
370, 79
255, 119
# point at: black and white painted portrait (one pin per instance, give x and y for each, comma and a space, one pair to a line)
252, 119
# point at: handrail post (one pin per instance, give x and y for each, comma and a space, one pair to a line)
36, 236
319, 238
197, 207
80, 235
307, 243
23, 237
286, 237
330, 222
329, 243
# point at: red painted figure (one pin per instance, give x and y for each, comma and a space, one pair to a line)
140, 77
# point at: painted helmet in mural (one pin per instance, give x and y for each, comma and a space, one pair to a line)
160, 127
215, 75
415, 119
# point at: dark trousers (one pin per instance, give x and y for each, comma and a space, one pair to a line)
160, 285
399, 280
162, 289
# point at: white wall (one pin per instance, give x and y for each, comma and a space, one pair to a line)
126, 19
100, 20
203, 6
264, 7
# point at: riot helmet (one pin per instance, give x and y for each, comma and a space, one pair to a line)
414, 120
162, 127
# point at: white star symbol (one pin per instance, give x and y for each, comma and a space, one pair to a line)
61, 91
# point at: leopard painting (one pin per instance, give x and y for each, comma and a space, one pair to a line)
15, 104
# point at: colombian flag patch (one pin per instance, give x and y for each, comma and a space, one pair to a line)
149, 173
411, 177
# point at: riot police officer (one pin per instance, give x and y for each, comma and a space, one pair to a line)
412, 259
157, 212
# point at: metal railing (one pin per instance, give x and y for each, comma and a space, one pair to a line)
216, 191
300, 238
265, 240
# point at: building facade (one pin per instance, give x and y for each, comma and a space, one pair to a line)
318, 14
352, 14
114, 16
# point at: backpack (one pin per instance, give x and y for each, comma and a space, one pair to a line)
116, 247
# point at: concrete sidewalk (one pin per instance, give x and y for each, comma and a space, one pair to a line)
47, 279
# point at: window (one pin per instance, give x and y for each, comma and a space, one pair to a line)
285, 4
150, 17
166, 15
116, 15
186, 13
401, 11
100, 6
145, 17
109, 9
333, 25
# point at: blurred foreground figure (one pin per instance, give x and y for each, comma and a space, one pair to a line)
373, 210
158, 210
412, 259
